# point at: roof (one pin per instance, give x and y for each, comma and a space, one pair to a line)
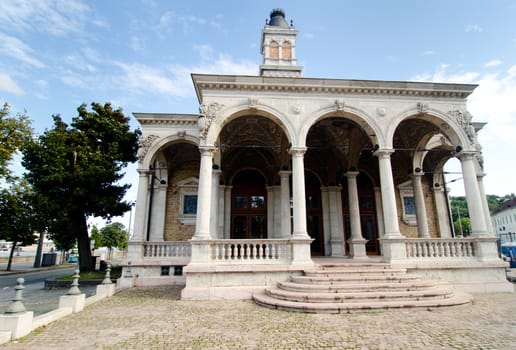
508, 204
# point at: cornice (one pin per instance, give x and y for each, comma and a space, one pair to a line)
166, 119
330, 86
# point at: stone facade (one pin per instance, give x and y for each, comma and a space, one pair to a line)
282, 168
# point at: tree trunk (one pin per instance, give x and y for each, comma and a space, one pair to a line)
83, 243
11, 254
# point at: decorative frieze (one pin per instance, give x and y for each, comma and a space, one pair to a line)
464, 120
208, 112
145, 145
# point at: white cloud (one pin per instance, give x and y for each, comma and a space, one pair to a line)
429, 53
187, 22
205, 51
15, 48
474, 28
137, 44
56, 17
492, 102
7, 84
493, 63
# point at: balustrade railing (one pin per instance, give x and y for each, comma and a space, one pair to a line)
441, 248
255, 251
167, 249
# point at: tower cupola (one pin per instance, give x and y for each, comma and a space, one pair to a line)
278, 47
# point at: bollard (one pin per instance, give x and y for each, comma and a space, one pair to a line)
107, 278
75, 284
17, 305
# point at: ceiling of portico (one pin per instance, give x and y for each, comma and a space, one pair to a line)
335, 145
253, 142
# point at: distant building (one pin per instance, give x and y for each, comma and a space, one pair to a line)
277, 169
504, 221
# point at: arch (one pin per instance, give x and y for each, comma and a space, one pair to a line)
361, 118
429, 142
274, 49
161, 143
444, 122
236, 173
286, 50
226, 116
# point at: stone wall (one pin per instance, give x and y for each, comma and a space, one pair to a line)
174, 229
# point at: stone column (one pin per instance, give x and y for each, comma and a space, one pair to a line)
419, 201
214, 225
286, 230
202, 223
393, 242
379, 211
277, 212
336, 222
298, 193
356, 241
222, 206
270, 212
390, 213
135, 245
473, 198
227, 212
300, 239
441, 205
485, 206
159, 206
325, 203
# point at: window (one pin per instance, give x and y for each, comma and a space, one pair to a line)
286, 50
187, 200
190, 204
409, 206
408, 209
274, 50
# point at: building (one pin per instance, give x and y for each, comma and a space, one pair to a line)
504, 221
278, 169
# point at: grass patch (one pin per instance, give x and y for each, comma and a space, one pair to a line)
116, 272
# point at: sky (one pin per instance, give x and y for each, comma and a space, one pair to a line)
139, 54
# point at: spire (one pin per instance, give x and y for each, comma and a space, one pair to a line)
278, 47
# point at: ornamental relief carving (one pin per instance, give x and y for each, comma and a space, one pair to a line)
144, 146
207, 113
464, 120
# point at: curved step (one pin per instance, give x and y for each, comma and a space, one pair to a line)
355, 297
350, 278
267, 301
354, 271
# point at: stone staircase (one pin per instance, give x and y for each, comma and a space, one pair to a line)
347, 287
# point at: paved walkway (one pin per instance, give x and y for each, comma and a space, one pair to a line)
154, 318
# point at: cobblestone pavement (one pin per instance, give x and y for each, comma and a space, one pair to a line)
154, 318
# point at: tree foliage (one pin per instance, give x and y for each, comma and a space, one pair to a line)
16, 216
462, 227
75, 171
114, 235
14, 131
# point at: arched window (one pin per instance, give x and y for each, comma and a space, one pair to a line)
286, 50
273, 49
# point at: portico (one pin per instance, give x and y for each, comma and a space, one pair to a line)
276, 169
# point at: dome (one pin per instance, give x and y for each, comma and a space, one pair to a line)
278, 19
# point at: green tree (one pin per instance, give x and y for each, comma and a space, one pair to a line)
114, 235
96, 237
75, 171
14, 131
16, 219
462, 227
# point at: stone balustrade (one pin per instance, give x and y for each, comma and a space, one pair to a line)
167, 249
437, 248
253, 251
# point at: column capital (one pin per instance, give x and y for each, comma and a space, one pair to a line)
383, 153
466, 155
144, 172
417, 175
208, 150
351, 174
284, 173
297, 151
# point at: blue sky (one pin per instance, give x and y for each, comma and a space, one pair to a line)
138, 54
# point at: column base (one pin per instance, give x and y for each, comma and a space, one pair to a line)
393, 248
337, 248
301, 255
357, 248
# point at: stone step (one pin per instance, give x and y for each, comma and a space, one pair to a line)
437, 292
261, 298
354, 271
322, 279
365, 286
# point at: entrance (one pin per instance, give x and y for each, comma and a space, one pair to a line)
314, 213
367, 208
248, 206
